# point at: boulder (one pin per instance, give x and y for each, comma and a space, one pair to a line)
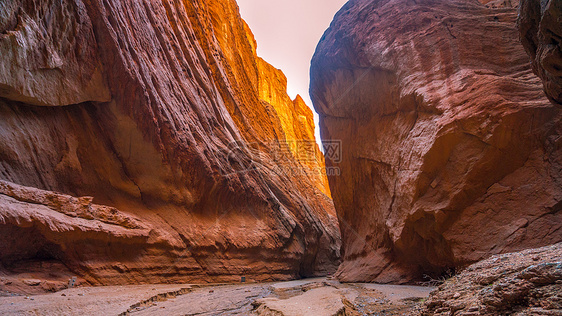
451, 152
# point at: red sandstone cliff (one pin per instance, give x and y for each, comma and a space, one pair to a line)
451, 151
118, 120
540, 28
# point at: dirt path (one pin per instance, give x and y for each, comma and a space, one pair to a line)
303, 297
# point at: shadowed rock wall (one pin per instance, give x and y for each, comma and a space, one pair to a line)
451, 151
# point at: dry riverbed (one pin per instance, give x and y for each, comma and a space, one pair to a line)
304, 297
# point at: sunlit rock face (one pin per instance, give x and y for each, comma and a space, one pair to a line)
540, 28
145, 141
46, 52
500, 3
451, 151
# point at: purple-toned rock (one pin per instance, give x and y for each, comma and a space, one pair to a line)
540, 28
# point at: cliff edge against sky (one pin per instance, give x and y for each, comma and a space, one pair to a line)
145, 141
451, 150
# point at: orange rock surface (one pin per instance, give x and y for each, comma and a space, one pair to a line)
145, 141
451, 151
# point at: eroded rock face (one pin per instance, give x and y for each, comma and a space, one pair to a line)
47, 48
451, 151
521, 283
540, 28
155, 156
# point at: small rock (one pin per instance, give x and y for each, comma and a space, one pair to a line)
473, 309
31, 282
457, 295
63, 294
434, 183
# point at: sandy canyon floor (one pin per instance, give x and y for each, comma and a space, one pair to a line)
304, 297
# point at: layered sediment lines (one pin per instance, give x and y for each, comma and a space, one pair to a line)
451, 151
140, 144
540, 29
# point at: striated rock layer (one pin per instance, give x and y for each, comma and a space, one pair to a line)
145, 141
451, 151
540, 28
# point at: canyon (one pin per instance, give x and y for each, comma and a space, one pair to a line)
451, 150
146, 142
150, 159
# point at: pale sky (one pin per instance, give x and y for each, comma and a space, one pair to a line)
287, 32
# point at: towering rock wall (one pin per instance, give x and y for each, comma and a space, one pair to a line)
451, 151
139, 145
540, 28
